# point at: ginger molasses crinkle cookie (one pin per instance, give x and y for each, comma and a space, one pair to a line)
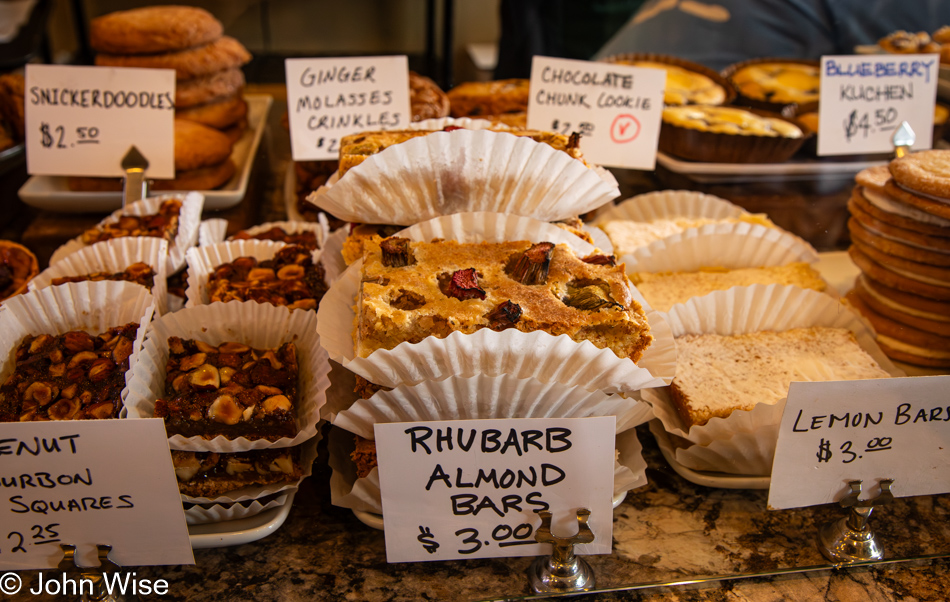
926, 172
153, 29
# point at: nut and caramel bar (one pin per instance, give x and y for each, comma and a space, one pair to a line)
364, 456
71, 376
230, 390
290, 279
306, 238
211, 474
163, 224
412, 290
356, 148
139, 273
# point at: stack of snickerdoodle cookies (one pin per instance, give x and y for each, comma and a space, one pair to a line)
210, 111
900, 230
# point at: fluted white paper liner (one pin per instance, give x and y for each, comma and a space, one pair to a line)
308, 453
217, 513
93, 307
463, 170
479, 397
741, 310
730, 246
667, 204
189, 220
528, 355
469, 123
215, 230
114, 256
202, 262
332, 256
259, 325
212, 231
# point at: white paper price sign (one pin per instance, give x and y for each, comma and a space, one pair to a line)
89, 482
329, 98
835, 432
865, 98
615, 108
471, 488
81, 121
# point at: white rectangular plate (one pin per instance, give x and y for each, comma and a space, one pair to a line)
240, 531
53, 193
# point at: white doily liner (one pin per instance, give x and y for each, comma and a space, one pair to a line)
667, 204
741, 310
348, 491
212, 231
308, 453
482, 396
259, 325
465, 170
729, 246
93, 307
216, 513
189, 219
332, 256
114, 256
528, 355
202, 261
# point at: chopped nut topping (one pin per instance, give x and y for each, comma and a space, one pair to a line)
225, 410
205, 377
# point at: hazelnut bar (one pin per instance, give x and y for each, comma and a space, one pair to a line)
139, 273
412, 290
306, 238
356, 148
71, 376
230, 390
290, 279
211, 474
163, 224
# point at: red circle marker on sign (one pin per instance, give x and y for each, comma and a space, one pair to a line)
625, 128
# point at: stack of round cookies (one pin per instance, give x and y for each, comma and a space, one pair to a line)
900, 229
209, 108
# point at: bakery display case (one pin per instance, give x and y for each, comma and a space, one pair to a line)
465, 267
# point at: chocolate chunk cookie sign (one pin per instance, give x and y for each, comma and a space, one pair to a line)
80, 121
329, 98
615, 108
472, 488
63, 483
864, 99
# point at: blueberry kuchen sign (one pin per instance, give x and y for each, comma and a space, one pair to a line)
328, 98
865, 98
471, 488
89, 482
867, 430
615, 108
81, 121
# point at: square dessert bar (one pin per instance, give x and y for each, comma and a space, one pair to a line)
163, 224
305, 238
230, 390
139, 273
290, 279
356, 148
412, 290
72, 376
210, 474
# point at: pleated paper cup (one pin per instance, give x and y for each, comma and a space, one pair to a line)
202, 262
668, 204
332, 255
114, 256
451, 172
473, 398
730, 246
527, 355
468, 123
218, 513
189, 219
258, 325
742, 310
93, 307
308, 453
212, 231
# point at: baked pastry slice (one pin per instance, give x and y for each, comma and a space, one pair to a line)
413, 290
163, 224
212, 474
139, 273
290, 279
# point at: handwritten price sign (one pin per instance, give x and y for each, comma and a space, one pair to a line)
615, 108
471, 488
864, 99
835, 432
